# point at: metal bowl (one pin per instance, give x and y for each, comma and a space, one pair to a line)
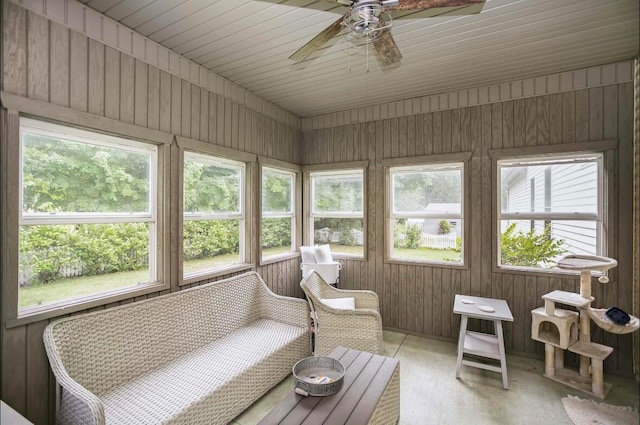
318, 376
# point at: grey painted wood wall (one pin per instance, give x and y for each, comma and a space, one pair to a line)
418, 299
45, 61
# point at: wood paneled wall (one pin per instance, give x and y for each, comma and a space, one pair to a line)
419, 299
45, 61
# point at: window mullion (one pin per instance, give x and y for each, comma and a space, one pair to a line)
41, 220
429, 216
550, 216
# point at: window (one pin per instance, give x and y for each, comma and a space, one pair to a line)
278, 212
549, 207
427, 213
213, 205
88, 216
337, 210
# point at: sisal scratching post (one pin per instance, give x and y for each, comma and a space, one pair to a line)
549, 357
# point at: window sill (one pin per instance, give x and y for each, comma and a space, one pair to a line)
348, 257
63, 308
278, 258
213, 273
438, 264
530, 271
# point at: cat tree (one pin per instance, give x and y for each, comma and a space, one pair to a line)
561, 329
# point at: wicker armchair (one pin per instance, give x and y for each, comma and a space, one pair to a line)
360, 329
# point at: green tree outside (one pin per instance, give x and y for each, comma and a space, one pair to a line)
529, 249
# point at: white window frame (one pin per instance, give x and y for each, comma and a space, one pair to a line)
239, 215
393, 215
291, 214
349, 169
29, 125
560, 158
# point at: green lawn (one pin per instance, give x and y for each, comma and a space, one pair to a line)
209, 263
275, 250
423, 254
85, 285
77, 286
426, 254
346, 249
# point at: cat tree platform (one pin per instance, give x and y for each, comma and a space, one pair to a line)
561, 329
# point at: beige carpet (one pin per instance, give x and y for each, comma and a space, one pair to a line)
590, 412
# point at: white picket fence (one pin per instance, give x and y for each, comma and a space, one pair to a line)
25, 274
438, 241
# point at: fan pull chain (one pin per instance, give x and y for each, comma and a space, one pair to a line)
349, 67
367, 57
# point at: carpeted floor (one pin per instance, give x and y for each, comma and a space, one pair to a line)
430, 393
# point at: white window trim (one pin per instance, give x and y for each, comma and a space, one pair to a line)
552, 158
87, 137
291, 214
359, 168
393, 215
240, 215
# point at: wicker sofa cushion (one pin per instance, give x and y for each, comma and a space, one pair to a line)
181, 391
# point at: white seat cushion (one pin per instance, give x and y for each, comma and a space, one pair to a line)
189, 389
340, 303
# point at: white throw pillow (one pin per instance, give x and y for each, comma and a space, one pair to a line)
323, 254
340, 303
308, 254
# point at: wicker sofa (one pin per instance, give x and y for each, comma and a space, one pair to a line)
198, 356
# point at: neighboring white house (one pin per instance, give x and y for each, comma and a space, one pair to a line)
565, 188
327, 235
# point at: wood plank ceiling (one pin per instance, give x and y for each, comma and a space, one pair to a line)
249, 42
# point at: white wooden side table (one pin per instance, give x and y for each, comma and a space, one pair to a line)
478, 343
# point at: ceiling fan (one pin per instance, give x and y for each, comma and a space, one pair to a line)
369, 21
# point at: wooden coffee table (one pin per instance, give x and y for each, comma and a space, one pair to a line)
370, 395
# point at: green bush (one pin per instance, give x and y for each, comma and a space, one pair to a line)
276, 232
413, 236
46, 250
347, 238
529, 249
458, 247
108, 248
93, 248
444, 228
204, 239
406, 235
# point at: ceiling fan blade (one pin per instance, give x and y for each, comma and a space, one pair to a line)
387, 50
318, 4
431, 4
318, 41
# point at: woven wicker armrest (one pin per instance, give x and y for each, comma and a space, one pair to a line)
293, 311
366, 318
359, 329
83, 406
360, 321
